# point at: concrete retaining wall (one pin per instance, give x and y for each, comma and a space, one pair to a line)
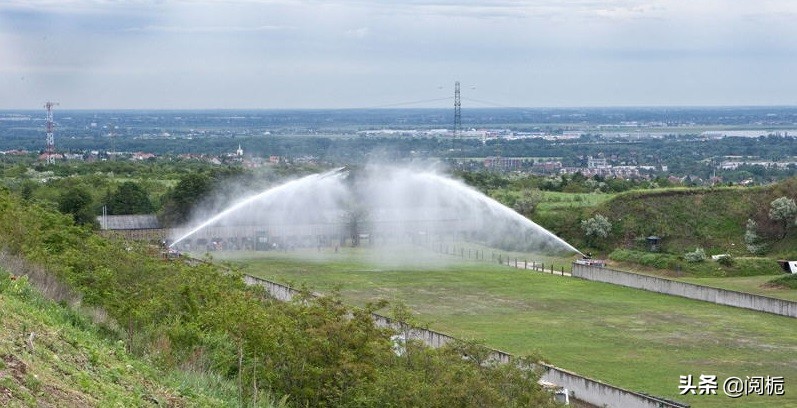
582, 388
687, 290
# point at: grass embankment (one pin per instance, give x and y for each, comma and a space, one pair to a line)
630, 338
51, 355
687, 218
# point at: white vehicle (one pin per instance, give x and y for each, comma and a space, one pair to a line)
788, 266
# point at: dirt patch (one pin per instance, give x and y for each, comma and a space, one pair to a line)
773, 285
15, 367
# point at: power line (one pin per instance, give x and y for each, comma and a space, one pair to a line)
494, 104
390, 105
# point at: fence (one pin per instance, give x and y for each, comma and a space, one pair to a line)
687, 290
582, 388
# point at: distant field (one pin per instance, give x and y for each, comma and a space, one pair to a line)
634, 339
556, 200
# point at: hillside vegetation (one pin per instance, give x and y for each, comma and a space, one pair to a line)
685, 219
51, 355
696, 217
200, 319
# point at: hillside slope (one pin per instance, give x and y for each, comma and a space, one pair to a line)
685, 218
50, 356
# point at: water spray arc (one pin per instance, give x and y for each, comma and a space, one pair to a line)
383, 205
263, 196
504, 211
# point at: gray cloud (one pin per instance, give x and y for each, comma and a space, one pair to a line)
350, 53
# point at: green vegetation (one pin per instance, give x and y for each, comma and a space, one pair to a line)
676, 266
634, 339
52, 355
201, 319
714, 219
787, 281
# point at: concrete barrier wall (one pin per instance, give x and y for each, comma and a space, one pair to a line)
687, 290
582, 388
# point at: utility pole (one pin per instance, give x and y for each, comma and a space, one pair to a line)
49, 150
457, 110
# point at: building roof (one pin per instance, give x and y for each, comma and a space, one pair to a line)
128, 222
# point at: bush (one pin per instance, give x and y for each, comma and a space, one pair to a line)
653, 260
788, 281
698, 256
726, 260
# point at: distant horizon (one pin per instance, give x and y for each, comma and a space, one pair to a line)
464, 108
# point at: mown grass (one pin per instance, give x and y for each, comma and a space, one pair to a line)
634, 339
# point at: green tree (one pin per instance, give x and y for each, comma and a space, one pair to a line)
752, 239
783, 211
528, 201
596, 227
129, 198
78, 202
185, 196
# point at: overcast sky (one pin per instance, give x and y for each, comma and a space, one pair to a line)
186, 54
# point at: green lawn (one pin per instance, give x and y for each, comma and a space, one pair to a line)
634, 339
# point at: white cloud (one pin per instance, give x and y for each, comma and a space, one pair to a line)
358, 33
207, 29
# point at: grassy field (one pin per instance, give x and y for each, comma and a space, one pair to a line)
634, 339
552, 200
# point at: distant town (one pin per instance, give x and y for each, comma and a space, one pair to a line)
683, 145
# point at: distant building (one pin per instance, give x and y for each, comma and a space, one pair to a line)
506, 163
546, 167
142, 156
140, 227
596, 163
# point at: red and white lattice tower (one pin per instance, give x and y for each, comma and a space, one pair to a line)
49, 151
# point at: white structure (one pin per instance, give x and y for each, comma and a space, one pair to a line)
596, 163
